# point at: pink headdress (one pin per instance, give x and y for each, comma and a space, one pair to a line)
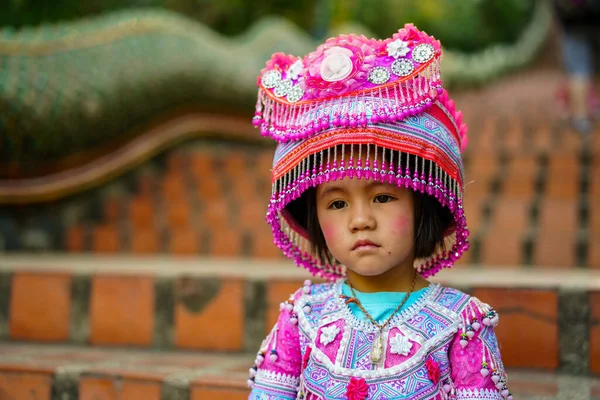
354, 93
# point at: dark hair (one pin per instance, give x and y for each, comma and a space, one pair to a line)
431, 222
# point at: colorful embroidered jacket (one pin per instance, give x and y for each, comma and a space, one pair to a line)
441, 347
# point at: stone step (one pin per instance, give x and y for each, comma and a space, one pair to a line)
550, 317
44, 372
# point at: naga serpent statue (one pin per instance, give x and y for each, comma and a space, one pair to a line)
83, 101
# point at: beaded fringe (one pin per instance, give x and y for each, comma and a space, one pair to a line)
387, 166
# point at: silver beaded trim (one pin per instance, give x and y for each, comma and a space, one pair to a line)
423, 53
379, 75
295, 93
402, 67
282, 88
270, 79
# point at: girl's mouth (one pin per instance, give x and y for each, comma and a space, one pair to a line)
364, 245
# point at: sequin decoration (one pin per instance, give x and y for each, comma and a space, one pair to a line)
379, 75
402, 67
282, 88
270, 79
423, 53
295, 93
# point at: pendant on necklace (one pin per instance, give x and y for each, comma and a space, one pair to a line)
377, 350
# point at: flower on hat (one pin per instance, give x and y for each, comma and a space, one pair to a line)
410, 33
433, 370
294, 70
280, 62
397, 48
336, 65
357, 389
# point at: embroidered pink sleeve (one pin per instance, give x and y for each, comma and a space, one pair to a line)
477, 369
276, 372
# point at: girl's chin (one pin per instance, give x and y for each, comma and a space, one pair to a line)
368, 270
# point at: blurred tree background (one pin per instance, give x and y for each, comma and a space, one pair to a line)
463, 25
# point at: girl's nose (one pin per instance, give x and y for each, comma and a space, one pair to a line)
362, 218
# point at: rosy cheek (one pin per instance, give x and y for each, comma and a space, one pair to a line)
329, 230
402, 224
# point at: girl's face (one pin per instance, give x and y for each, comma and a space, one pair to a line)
368, 225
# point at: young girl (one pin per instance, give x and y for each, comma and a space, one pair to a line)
367, 194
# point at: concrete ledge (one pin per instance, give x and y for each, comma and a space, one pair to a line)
169, 266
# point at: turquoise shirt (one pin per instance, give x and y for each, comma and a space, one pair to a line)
380, 305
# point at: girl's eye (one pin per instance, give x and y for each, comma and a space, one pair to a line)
338, 204
383, 198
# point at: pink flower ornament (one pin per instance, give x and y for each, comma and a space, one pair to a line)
433, 370
357, 389
338, 66
280, 62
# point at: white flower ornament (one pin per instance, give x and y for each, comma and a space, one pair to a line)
294, 70
397, 48
336, 65
400, 345
328, 334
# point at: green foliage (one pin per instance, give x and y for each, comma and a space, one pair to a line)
464, 25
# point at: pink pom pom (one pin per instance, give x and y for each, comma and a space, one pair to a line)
451, 105
458, 116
